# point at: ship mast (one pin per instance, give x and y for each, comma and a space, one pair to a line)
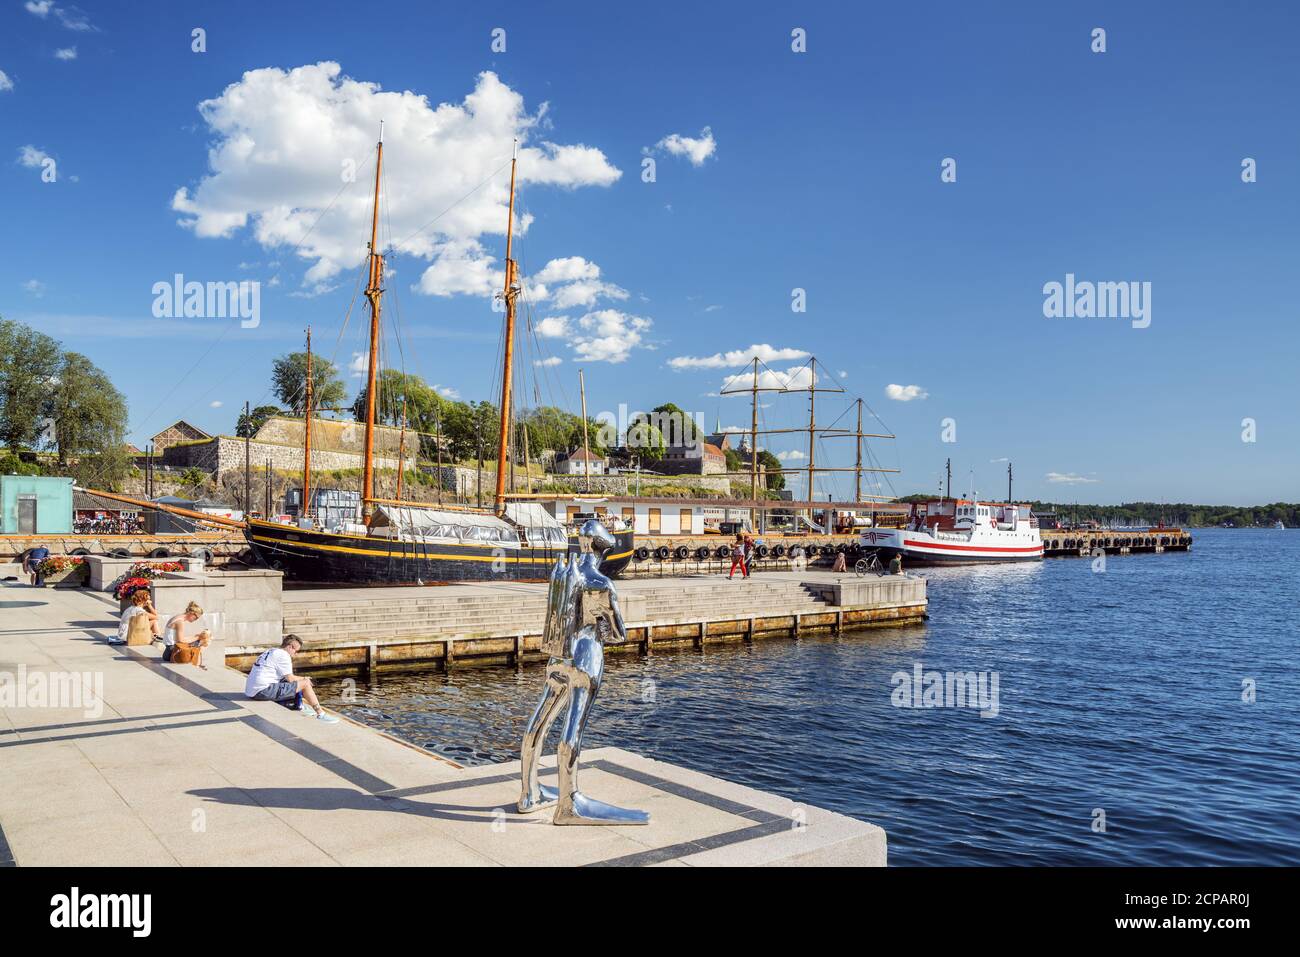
374, 291
306, 437
506, 373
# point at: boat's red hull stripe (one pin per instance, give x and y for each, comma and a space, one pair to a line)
943, 546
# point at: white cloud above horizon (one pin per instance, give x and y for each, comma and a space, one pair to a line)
34, 287
274, 172
694, 149
70, 17
66, 53
6, 84
1070, 478
905, 393
737, 357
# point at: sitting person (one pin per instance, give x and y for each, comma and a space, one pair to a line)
142, 632
272, 679
896, 564
179, 651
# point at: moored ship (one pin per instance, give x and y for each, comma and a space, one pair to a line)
960, 531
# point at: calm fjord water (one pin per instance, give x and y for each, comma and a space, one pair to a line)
1120, 691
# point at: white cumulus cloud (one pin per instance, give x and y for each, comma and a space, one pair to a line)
31, 157
34, 287
799, 377
6, 84
905, 393
283, 141
1070, 478
67, 53
695, 149
608, 335
791, 456
735, 357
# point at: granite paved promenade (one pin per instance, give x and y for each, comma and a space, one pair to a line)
110, 757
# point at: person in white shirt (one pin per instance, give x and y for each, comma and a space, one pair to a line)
272, 679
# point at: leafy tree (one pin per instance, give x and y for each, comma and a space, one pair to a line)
249, 423
289, 381
29, 363
89, 420
677, 426
645, 441
775, 478
734, 463
423, 404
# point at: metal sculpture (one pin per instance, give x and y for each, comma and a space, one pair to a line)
582, 615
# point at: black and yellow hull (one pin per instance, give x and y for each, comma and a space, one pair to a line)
326, 558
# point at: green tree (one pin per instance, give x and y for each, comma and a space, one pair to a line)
89, 417
645, 441
29, 364
289, 382
249, 423
423, 404
775, 478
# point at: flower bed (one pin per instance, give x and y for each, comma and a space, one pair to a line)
139, 576
64, 571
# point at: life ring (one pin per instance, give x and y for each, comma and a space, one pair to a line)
641, 554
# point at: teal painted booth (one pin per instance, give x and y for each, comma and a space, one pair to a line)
35, 505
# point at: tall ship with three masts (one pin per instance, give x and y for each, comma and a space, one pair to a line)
404, 542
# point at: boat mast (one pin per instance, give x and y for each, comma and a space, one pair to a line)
857, 466
401, 446
586, 453
374, 291
753, 449
508, 369
306, 436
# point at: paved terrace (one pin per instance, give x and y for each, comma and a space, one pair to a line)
174, 766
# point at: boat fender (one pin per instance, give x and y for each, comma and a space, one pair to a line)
778, 551
724, 551
642, 553
702, 553
680, 552
662, 552
761, 551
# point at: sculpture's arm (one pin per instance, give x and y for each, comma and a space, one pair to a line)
619, 629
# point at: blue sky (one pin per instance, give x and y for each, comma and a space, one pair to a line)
824, 175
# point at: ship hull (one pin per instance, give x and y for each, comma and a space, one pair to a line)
313, 557
923, 549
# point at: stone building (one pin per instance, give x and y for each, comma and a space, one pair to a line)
178, 431
335, 445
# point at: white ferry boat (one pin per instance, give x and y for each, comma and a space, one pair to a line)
957, 531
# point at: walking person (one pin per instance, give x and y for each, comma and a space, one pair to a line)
738, 557
749, 554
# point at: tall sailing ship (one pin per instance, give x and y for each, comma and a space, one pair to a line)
403, 542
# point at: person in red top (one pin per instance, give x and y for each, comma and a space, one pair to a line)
738, 557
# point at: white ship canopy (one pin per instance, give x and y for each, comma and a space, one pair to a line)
437, 524
540, 526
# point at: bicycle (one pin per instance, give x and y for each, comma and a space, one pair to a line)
863, 566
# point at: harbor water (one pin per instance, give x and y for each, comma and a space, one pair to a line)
1145, 712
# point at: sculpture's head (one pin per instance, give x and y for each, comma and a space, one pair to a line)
594, 537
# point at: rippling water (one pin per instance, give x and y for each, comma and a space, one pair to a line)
1119, 691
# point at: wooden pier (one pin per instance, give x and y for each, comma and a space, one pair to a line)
1086, 543
371, 630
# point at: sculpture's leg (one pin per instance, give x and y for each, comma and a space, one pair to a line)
574, 807
534, 795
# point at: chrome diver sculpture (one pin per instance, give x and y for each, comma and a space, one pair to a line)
582, 614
